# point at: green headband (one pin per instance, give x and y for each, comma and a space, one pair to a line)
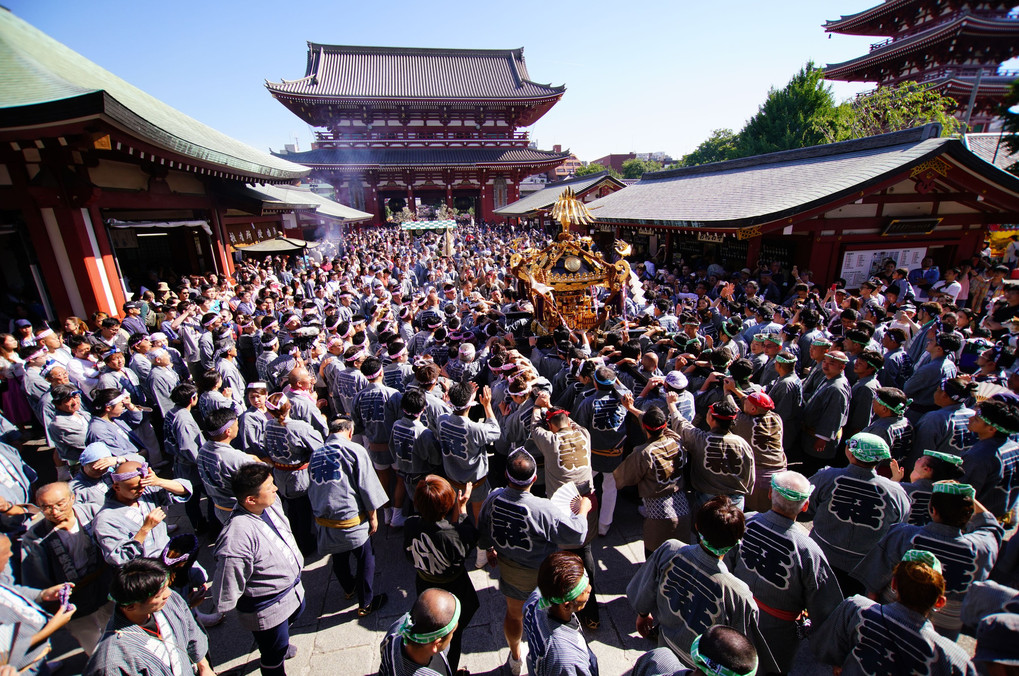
821, 342
954, 488
710, 666
773, 337
868, 447
1006, 432
897, 410
407, 628
947, 457
717, 551
922, 556
785, 360
729, 329
577, 590
789, 493
760, 337
859, 342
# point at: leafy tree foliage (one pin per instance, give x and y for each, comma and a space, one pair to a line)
788, 117
889, 109
720, 146
636, 168
595, 168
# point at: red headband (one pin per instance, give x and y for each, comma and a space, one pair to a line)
554, 413
711, 409
655, 429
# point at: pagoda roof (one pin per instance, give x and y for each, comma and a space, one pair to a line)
45, 82
778, 186
991, 86
416, 157
349, 72
868, 22
876, 20
965, 25
544, 199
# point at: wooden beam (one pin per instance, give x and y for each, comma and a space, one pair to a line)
910, 198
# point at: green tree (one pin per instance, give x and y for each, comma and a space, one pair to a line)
636, 168
588, 169
889, 109
788, 117
719, 147
595, 168
1011, 123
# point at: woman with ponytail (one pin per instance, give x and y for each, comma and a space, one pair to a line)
288, 445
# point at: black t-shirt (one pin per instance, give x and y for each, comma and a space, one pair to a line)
438, 550
1003, 316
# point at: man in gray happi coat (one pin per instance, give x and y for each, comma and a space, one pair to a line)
824, 414
131, 522
345, 496
853, 507
258, 567
520, 530
161, 381
218, 461
786, 571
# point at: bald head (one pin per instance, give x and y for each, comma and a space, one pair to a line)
56, 502
433, 610
57, 490
299, 378
793, 481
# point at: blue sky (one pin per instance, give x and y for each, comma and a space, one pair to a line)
640, 76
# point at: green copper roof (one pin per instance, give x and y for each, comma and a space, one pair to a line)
42, 80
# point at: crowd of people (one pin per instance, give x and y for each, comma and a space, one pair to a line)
825, 463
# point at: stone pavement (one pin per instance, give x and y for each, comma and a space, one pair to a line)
332, 640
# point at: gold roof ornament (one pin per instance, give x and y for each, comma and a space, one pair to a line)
563, 279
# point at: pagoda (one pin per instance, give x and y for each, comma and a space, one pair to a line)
406, 127
954, 46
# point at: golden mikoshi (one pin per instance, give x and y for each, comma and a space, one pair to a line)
563, 278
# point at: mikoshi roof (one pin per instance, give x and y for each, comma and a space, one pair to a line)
45, 82
414, 73
289, 194
546, 197
416, 157
428, 225
757, 190
278, 245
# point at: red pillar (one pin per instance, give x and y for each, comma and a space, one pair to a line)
106, 255
78, 280
487, 202
371, 200
753, 252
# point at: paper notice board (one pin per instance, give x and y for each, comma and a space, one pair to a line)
859, 266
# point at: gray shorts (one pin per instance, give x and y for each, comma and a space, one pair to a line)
381, 456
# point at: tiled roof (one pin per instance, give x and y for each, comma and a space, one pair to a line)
991, 148
413, 157
546, 197
292, 195
966, 25
43, 80
847, 22
397, 72
765, 188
